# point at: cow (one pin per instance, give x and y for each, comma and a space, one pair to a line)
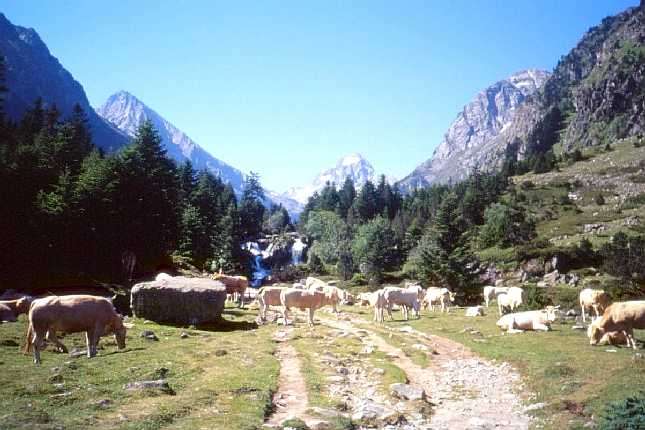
10, 309
235, 286
302, 299
597, 300
529, 320
475, 311
491, 292
364, 299
72, 314
268, 296
403, 297
378, 301
334, 294
442, 296
163, 277
621, 317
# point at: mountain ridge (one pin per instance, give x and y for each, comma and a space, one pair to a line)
127, 112
32, 72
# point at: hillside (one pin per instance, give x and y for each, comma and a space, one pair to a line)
32, 72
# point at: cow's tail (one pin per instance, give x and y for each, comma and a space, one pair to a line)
28, 335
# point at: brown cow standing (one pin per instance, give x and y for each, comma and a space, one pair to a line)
73, 314
235, 286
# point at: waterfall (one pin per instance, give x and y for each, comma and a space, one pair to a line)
258, 272
296, 251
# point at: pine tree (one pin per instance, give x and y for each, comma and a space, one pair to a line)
251, 207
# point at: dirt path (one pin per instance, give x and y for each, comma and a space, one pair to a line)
291, 398
468, 392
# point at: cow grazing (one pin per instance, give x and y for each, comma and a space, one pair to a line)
10, 309
403, 297
441, 296
529, 320
622, 317
302, 299
597, 300
334, 294
235, 286
268, 296
72, 314
491, 292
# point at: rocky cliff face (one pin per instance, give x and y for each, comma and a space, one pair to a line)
490, 113
32, 72
127, 112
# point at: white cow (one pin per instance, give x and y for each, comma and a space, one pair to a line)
302, 299
529, 320
378, 301
402, 297
491, 292
441, 296
597, 300
475, 311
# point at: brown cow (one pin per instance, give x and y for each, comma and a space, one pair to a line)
73, 314
235, 286
10, 309
621, 317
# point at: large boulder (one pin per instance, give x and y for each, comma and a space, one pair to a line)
179, 300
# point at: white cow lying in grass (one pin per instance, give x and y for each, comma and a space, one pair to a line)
441, 296
619, 317
302, 299
475, 311
491, 292
403, 297
597, 300
529, 320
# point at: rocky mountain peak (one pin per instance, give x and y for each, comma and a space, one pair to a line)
127, 112
489, 113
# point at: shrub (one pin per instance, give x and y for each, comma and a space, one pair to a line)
566, 297
358, 279
315, 264
535, 298
627, 414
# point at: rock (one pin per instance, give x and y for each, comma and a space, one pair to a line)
368, 411
179, 300
220, 352
9, 342
76, 352
56, 378
160, 385
335, 379
572, 313
406, 329
149, 334
611, 350
319, 425
578, 327
476, 423
407, 392
637, 356
184, 335
379, 371
420, 347
103, 403
367, 349
535, 407
342, 370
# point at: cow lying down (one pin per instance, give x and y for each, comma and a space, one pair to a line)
530, 320
73, 314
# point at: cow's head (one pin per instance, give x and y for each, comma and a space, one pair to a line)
552, 313
23, 304
451, 296
595, 332
119, 331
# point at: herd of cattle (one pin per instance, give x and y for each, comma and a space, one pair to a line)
614, 323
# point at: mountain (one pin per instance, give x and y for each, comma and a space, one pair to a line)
32, 72
352, 166
127, 112
485, 117
595, 96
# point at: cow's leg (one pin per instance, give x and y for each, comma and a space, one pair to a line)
51, 337
389, 311
540, 326
629, 334
37, 343
582, 307
284, 315
311, 317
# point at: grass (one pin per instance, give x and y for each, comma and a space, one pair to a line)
222, 378
575, 379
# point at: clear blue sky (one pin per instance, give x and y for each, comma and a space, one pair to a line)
285, 88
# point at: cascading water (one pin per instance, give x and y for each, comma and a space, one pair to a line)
258, 272
296, 251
